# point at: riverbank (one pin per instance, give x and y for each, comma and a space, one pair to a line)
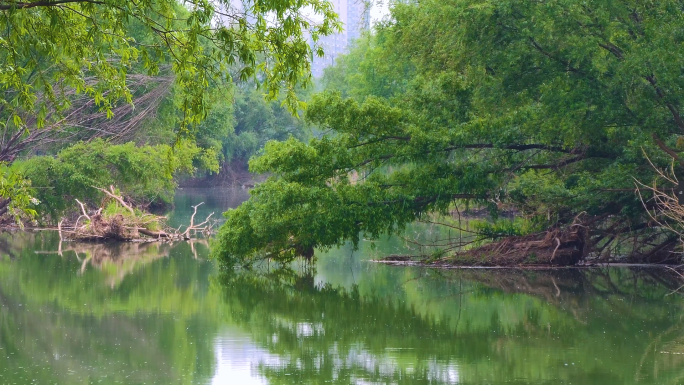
556, 247
501, 262
590, 265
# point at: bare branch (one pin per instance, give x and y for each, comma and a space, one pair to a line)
118, 198
83, 209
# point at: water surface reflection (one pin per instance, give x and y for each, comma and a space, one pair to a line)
164, 314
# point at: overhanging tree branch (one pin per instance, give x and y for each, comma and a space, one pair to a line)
566, 63
668, 150
661, 95
514, 147
8, 5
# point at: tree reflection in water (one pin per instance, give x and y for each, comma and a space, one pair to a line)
157, 314
134, 315
472, 326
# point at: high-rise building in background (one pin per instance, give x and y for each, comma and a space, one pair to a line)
355, 16
358, 19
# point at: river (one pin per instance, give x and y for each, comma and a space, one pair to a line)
165, 314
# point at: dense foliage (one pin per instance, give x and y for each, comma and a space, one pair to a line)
238, 128
17, 197
80, 70
143, 174
52, 50
258, 121
239, 122
545, 107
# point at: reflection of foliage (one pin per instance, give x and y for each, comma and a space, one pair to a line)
133, 318
68, 348
474, 325
116, 260
325, 334
120, 274
156, 319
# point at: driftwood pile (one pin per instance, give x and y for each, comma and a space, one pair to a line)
132, 225
559, 247
555, 247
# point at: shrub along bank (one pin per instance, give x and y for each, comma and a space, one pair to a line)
145, 175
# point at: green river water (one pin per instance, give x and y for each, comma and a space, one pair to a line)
164, 314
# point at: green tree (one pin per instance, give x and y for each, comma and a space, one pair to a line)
52, 50
547, 107
79, 64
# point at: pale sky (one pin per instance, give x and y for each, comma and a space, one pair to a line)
379, 9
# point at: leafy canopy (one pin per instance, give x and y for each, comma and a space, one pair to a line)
51, 50
547, 107
82, 69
